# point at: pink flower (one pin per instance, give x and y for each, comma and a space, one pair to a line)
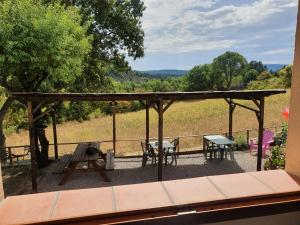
286, 113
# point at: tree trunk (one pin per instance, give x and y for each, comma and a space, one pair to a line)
3, 153
3, 111
42, 152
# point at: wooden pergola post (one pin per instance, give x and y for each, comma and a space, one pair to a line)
147, 122
160, 138
53, 115
113, 105
32, 147
260, 117
231, 110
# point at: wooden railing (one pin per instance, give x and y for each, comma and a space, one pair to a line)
13, 152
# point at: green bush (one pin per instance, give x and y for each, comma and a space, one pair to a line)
241, 142
277, 159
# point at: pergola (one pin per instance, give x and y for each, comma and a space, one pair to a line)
160, 101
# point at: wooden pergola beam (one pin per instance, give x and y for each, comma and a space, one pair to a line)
153, 96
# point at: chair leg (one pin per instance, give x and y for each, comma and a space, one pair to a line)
175, 159
166, 158
144, 160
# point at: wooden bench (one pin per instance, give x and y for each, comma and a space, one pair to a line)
62, 164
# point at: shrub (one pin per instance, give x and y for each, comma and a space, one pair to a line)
277, 159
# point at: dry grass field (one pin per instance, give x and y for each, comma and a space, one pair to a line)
181, 119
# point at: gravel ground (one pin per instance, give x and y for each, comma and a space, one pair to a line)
129, 171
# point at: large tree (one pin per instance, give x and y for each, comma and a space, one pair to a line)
229, 65
258, 66
42, 48
117, 32
201, 78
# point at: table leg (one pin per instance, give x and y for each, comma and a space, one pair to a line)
70, 170
205, 148
100, 171
222, 152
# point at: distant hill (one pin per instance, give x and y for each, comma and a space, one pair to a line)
164, 73
274, 67
133, 76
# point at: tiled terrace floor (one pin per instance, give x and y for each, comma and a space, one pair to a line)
129, 171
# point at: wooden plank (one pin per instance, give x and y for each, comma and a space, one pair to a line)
80, 155
62, 164
153, 96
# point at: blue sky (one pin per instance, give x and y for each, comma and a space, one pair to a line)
180, 34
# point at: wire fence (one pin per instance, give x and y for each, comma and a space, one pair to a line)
188, 144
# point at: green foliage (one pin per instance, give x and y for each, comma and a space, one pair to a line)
281, 137
117, 31
258, 66
200, 78
286, 75
79, 111
227, 66
250, 75
277, 159
241, 142
264, 75
42, 48
266, 80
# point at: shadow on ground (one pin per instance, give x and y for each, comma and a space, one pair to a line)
129, 171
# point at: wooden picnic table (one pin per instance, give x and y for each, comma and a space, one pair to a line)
80, 156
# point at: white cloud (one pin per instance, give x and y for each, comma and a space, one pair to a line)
278, 51
202, 25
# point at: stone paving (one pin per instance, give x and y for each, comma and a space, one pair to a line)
129, 171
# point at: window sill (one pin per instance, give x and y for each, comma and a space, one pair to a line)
150, 200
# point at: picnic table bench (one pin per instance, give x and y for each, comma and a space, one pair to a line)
80, 156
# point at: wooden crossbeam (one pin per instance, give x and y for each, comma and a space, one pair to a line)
245, 107
155, 107
168, 105
47, 111
39, 106
256, 102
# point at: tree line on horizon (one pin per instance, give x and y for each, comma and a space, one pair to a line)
227, 71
